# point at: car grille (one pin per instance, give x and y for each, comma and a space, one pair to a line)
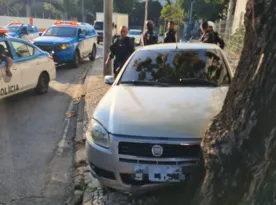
169, 150
48, 48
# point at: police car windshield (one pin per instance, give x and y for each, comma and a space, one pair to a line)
61, 32
13, 28
178, 67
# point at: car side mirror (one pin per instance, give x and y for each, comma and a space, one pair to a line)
109, 79
81, 35
40, 34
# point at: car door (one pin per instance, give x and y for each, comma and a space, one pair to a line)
28, 62
82, 46
9, 85
89, 41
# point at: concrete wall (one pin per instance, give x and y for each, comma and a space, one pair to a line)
42, 24
238, 18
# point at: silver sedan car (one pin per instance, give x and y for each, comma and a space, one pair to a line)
146, 131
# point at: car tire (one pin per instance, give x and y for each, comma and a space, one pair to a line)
76, 61
43, 84
93, 54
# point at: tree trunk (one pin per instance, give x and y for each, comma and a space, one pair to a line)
239, 147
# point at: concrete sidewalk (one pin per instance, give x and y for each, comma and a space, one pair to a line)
87, 190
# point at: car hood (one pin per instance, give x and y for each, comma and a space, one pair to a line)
174, 112
134, 36
52, 39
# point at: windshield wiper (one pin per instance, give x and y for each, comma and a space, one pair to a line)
141, 82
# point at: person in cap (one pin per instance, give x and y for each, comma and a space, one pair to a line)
207, 36
218, 39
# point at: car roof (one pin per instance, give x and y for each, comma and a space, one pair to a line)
183, 46
135, 29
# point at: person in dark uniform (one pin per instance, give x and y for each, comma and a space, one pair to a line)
218, 39
170, 35
5, 58
121, 48
208, 36
149, 37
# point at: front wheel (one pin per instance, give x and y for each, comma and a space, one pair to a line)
76, 61
93, 54
43, 84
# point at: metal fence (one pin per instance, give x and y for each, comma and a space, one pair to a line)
233, 34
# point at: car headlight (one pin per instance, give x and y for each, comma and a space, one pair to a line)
97, 134
65, 46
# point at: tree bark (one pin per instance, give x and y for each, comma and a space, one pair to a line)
239, 147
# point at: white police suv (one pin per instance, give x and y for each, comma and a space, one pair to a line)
32, 68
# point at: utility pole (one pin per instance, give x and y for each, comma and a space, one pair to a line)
82, 12
146, 14
229, 23
108, 7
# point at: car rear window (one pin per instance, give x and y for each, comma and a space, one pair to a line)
176, 66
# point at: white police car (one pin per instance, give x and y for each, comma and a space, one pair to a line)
24, 31
32, 68
69, 42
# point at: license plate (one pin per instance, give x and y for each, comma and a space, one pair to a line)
158, 173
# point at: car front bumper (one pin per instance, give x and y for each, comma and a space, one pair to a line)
116, 171
64, 56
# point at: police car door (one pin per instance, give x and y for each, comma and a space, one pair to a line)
88, 41
27, 62
9, 85
82, 46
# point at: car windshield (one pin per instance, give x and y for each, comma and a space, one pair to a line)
13, 28
177, 68
134, 32
61, 31
98, 25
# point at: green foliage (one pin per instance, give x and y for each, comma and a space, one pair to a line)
210, 10
123, 6
138, 13
236, 41
172, 13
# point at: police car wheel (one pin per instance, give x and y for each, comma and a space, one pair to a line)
93, 53
76, 61
43, 84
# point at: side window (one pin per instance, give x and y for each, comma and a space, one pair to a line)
4, 49
31, 50
21, 49
30, 30
93, 32
85, 32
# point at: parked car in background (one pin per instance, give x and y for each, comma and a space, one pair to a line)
69, 42
148, 127
32, 68
136, 34
24, 31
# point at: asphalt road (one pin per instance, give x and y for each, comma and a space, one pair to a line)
31, 128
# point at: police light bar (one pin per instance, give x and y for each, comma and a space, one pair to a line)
66, 22
15, 23
3, 31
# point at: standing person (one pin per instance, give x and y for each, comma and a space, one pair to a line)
170, 35
207, 36
149, 37
218, 39
5, 58
121, 48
